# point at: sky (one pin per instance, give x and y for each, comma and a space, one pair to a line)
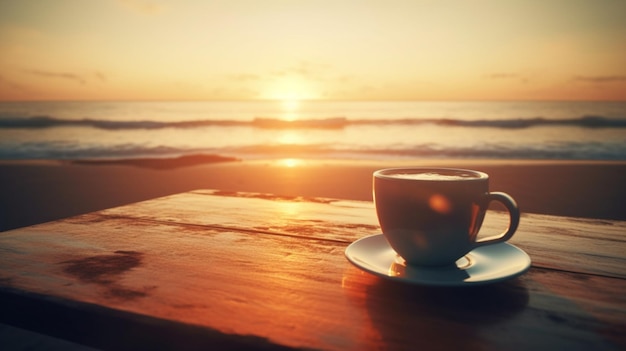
312, 49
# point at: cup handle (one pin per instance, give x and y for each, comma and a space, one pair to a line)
514, 216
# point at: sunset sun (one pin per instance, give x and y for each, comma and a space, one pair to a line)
290, 89
290, 104
290, 109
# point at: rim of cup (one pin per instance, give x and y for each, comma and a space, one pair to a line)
388, 173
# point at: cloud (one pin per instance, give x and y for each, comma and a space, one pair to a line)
98, 76
11, 84
57, 75
233, 93
507, 76
305, 69
346, 78
600, 79
101, 77
502, 76
309, 69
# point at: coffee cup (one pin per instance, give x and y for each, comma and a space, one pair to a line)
431, 216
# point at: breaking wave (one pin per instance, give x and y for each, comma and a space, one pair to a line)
569, 150
40, 122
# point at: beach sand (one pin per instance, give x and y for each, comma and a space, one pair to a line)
38, 191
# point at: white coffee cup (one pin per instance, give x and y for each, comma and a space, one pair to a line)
431, 216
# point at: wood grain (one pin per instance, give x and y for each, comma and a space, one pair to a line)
255, 270
572, 244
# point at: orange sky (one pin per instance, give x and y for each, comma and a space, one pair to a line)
318, 49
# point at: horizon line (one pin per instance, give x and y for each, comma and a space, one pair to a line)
309, 100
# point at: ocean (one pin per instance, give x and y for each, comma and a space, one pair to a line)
355, 130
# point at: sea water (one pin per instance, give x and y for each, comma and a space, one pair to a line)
368, 130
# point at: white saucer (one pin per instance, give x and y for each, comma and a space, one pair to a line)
484, 265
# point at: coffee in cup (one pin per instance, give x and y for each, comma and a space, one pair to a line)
431, 216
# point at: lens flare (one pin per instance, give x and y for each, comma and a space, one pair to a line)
440, 204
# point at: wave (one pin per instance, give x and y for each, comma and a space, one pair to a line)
39, 122
566, 151
69, 151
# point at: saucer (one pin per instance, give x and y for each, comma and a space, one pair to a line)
483, 265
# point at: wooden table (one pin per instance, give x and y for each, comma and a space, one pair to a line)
240, 270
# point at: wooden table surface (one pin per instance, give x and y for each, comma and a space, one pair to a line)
240, 270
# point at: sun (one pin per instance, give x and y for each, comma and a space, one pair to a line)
290, 162
290, 105
290, 90
289, 109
